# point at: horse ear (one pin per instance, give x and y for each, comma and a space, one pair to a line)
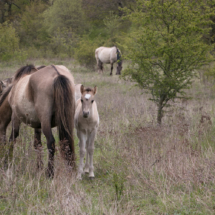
95, 90
82, 89
4, 83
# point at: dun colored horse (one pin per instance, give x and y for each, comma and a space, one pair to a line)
42, 99
86, 124
108, 56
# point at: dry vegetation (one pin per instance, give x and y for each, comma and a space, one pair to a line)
140, 168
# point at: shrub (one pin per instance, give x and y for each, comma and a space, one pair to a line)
85, 52
9, 42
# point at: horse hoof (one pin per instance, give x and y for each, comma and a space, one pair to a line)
40, 166
86, 171
79, 178
92, 178
49, 174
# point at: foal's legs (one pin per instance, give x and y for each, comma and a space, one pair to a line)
82, 146
86, 167
38, 147
90, 151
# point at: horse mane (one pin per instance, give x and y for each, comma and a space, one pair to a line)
25, 70
40, 67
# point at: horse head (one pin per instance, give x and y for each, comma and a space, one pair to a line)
87, 99
119, 68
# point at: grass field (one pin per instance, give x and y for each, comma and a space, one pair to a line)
140, 168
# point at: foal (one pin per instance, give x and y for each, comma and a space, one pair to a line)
86, 124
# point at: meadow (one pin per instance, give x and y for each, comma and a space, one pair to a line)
140, 167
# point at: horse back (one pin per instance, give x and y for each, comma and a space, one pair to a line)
41, 82
106, 54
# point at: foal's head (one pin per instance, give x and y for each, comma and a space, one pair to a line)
87, 99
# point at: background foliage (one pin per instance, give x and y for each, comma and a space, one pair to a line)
167, 46
166, 40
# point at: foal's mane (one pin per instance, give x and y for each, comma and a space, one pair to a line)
25, 70
88, 89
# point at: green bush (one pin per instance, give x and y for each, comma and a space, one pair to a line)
63, 42
85, 52
9, 42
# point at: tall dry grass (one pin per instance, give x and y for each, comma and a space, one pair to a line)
140, 168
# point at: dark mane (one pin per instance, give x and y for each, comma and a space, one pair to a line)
5, 94
40, 67
25, 70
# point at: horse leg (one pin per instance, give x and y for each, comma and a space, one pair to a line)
86, 167
111, 68
82, 146
38, 147
90, 150
46, 128
100, 66
12, 139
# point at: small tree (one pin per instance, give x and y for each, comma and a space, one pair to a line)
166, 47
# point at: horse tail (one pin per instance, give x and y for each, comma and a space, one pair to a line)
64, 101
119, 56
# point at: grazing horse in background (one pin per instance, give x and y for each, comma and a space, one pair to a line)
86, 124
43, 99
108, 56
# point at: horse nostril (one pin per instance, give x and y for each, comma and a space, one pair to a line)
85, 114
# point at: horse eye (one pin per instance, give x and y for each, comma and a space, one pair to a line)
81, 100
92, 101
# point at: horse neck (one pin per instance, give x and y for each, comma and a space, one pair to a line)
94, 112
5, 115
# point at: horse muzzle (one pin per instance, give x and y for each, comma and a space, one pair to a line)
86, 114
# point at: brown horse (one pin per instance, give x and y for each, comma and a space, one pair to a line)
43, 99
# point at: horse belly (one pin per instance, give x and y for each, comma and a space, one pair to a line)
25, 109
27, 114
104, 57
